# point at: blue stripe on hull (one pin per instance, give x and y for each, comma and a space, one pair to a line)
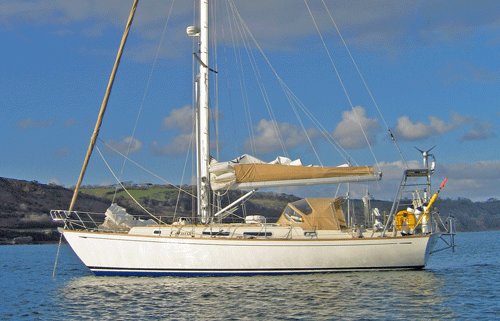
200, 273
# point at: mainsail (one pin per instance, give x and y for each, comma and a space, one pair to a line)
247, 171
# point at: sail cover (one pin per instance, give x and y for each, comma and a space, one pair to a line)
250, 172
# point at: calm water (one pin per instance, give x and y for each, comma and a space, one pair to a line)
464, 285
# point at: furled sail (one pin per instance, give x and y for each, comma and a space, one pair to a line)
250, 172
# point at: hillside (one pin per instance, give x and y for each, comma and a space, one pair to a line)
25, 207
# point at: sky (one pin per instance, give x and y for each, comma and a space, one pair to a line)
432, 68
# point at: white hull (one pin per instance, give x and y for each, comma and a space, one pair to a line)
311, 235
123, 254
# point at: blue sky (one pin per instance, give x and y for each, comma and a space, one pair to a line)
433, 68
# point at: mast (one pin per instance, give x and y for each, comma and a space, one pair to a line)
203, 119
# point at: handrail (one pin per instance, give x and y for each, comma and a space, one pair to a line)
83, 220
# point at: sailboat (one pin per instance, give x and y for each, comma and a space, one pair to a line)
312, 235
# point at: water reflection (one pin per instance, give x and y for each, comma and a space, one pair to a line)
347, 296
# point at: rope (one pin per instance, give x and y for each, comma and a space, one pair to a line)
57, 257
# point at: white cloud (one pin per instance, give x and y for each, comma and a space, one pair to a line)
478, 180
475, 180
28, 123
463, 71
180, 118
348, 131
127, 145
482, 170
54, 181
93, 18
63, 152
394, 170
367, 23
394, 24
406, 129
479, 131
70, 122
177, 146
267, 138
64, 12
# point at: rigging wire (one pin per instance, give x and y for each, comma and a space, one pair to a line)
183, 173
337, 146
146, 91
145, 169
299, 119
194, 101
125, 189
365, 84
228, 87
343, 153
215, 117
346, 93
237, 56
244, 30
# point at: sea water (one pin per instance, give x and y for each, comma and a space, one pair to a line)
464, 285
